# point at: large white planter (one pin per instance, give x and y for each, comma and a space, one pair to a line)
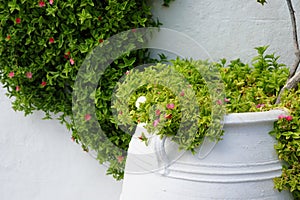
241, 166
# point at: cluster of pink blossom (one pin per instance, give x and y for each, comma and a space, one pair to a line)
287, 117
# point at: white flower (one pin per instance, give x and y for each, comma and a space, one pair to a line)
141, 99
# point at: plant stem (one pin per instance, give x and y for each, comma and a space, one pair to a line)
294, 78
295, 39
291, 83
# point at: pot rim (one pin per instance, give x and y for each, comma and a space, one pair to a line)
254, 117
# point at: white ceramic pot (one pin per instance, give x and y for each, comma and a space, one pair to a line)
241, 166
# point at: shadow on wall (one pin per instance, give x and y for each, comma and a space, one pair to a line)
38, 160
231, 29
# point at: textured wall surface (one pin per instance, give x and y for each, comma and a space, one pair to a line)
38, 161
232, 29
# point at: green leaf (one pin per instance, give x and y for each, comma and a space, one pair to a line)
13, 6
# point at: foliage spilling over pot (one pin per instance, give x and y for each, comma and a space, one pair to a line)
248, 89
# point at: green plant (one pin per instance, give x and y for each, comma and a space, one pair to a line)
248, 89
287, 133
43, 44
167, 2
175, 96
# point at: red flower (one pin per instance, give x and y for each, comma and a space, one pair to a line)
8, 37
157, 112
51, 40
87, 117
141, 138
289, 118
42, 4
170, 106
168, 116
120, 158
44, 83
11, 74
101, 40
18, 20
182, 93
66, 56
72, 61
29, 75
50, 2
17, 88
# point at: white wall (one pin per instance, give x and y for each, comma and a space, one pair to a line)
232, 28
38, 161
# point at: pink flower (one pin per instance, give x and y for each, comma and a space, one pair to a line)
260, 105
127, 72
182, 93
156, 122
44, 83
72, 61
87, 117
51, 40
289, 118
226, 100
281, 116
170, 106
18, 20
157, 112
29, 75
168, 116
17, 88
219, 102
120, 158
50, 2
73, 139
41, 4
11, 74
133, 30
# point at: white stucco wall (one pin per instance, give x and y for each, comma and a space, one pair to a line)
38, 161
232, 28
